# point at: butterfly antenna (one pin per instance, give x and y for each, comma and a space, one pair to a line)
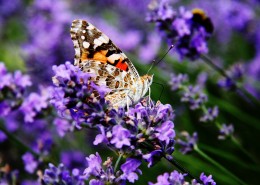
156, 63
151, 67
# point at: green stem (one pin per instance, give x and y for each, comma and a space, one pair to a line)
17, 141
118, 161
175, 163
236, 142
240, 90
201, 153
182, 169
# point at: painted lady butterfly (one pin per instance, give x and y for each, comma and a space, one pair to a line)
95, 53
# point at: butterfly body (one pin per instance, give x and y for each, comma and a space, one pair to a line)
95, 53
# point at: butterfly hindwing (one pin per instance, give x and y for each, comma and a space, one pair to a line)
108, 75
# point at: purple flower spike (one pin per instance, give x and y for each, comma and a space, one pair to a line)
210, 114
194, 96
207, 180
3, 136
225, 131
50, 20
165, 132
94, 166
176, 178
12, 87
34, 104
60, 175
74, 93
189, 142
29, 162
235, 74
120, 136
62, 126
162, 179
177, 81
188, 30
129, 168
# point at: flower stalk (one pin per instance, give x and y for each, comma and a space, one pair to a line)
215, 163
18, 142
182, 169
240, 90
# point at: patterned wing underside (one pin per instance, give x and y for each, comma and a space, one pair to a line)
108, 75
118, 99
117, 80
91, 44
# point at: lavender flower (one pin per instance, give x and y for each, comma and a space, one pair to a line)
253, 71
29, 162
49, 41
177, 81
3, 136
8, 8
60, 175
235, 74
160, 11
62, 126
34, 105
12, 87
103, 175
194, 96
144, 125
120, 136
225, 131
188, 143
173, 178
7, 176
72, 159
129, 169
187, 30
176, 178
74, 92
94, 163
207, 179
30, 182
210, 114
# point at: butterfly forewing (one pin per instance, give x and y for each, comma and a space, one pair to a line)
91, 44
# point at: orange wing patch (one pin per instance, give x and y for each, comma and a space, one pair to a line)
98, 56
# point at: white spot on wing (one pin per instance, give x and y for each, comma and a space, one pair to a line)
83, 37
103, 38
76, 44
113, 57
85, 44
98, 42
77, 52
124, 55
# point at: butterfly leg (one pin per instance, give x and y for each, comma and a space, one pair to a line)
128, 100
149, 97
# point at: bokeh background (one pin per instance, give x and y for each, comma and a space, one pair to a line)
34, 36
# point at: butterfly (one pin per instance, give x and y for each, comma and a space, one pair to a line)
95, 53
